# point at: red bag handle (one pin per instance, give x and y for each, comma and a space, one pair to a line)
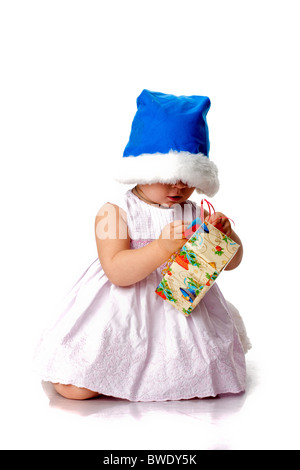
193, 226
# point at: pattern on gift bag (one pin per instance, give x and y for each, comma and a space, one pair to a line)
186, 257
191, 272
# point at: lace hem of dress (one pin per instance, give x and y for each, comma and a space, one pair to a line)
144, 399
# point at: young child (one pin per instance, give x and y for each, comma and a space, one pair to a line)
116, 337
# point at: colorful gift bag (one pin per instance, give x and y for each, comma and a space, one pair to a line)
192, 271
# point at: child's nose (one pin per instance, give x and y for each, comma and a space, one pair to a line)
180, 185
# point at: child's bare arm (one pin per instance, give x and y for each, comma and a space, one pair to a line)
122, 265
238, 256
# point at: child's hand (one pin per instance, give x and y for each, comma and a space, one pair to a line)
172, 236
221, 222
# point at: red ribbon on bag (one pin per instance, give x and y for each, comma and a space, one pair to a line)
209, 204
199, 221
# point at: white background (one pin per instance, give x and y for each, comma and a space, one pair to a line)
70, 75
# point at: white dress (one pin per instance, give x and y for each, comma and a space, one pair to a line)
127, 342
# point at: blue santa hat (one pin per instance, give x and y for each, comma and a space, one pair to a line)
169, 142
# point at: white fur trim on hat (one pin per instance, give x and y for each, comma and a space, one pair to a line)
196, 170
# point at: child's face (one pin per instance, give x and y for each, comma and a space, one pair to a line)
167, 194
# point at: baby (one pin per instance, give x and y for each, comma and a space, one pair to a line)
116, 337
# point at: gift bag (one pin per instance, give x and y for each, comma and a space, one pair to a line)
193, 270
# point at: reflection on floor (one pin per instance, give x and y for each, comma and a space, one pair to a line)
256, 419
